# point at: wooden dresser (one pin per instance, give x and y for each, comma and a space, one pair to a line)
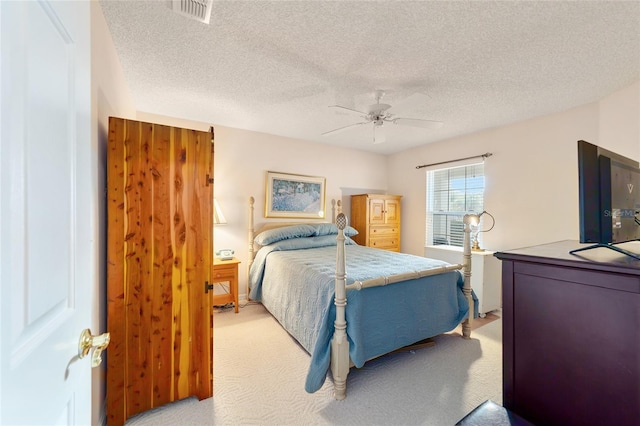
571, 335
377, 219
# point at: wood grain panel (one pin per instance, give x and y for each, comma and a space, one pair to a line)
210, 256
160, 255
200, 245
139, 303
163, 265
116, 353
193, 275
132, 274
179, 237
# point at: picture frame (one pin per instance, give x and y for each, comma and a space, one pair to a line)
294, 196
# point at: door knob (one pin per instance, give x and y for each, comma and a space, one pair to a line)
98, 343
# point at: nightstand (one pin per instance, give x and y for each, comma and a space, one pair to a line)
226, 271
485, 274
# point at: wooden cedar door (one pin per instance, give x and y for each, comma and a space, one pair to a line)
159, 257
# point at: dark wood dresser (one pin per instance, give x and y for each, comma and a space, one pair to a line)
571, 335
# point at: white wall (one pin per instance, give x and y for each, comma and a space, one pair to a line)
109, 97
532, 177
242, 159
620, 122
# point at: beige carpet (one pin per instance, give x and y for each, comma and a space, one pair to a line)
259, 374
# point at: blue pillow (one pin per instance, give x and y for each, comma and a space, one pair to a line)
332, 229
278, 234
309, 242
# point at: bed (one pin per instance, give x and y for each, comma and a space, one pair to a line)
304, 274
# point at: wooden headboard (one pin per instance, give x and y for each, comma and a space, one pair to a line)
336, 209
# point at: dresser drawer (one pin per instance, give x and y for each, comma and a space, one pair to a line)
223, 273
387, 231
386, 243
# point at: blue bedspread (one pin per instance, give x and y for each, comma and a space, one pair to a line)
295, 281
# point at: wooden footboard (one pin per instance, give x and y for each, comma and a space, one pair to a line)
340, 362
339, 342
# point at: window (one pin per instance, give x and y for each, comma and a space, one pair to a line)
451, 193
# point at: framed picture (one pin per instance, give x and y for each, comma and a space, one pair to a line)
294, 196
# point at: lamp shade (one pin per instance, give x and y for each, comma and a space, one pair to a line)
473, 220
218, 217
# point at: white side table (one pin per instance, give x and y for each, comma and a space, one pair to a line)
486, 274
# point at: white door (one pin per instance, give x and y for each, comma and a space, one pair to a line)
46, 252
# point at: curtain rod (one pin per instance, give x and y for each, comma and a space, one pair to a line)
483, 156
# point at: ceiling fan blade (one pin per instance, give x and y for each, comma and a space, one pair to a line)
416, 122
412, 105
352, 111
340, 129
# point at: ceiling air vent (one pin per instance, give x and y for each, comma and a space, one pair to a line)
200, 10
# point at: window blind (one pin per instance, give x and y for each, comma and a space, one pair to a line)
451, 193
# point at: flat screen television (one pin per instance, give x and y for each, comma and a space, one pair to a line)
609, 196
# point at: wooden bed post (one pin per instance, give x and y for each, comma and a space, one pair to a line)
251, 236
336, 208
333, 210
339, 342
466, 271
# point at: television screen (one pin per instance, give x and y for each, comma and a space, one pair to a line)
609, 196
620, 203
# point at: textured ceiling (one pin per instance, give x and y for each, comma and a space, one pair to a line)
277, 66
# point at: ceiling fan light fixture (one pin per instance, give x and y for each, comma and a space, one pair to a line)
378, 114
378, 136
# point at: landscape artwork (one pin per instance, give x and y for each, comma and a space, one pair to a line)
294, 196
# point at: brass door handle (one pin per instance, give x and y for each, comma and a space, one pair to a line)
98, 343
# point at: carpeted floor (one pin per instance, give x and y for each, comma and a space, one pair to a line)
259, 373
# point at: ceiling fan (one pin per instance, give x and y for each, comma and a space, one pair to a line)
378, 115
